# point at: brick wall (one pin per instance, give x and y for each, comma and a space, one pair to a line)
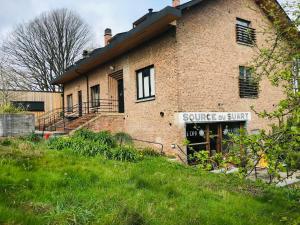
110, 122
196, 69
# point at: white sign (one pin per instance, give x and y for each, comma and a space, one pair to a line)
210, 117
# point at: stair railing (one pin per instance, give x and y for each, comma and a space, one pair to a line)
59, 118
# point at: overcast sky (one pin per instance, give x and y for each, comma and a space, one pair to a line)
99, 14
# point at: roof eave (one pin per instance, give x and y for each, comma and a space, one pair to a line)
143, 32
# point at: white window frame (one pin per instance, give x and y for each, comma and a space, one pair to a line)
146, 83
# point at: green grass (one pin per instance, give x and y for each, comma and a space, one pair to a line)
39, 186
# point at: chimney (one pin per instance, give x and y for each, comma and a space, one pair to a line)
176, 3
85, 53
107, 36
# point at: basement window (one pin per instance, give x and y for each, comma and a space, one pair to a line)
95, 95
244, 33
70, 103
30, 106
247, 84
146, 83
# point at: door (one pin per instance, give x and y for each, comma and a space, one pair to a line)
196, 137
121, 96
215, 138
79, 103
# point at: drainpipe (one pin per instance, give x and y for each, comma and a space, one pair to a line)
88, 94
63, 100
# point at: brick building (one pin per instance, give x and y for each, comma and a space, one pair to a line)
179, 73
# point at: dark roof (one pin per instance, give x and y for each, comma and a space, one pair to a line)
139, 26
168, 13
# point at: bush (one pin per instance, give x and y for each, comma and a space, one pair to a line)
123, 138
5, 142
87, 143
150, 152
33, 137
293, 160
103, 137
122, 153
9, 108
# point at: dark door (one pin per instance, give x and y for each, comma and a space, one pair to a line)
121, 96
79, 103
196, 137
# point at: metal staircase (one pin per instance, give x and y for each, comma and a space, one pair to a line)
68, 119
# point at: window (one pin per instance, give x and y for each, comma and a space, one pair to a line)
70, 103
248, 85
95, 95
244, 33
146, 83
30, 106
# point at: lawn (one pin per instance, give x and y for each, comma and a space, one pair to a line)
42, 186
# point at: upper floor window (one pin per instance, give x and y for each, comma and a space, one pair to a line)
146, 83
95, 96
244, 33
70, 103
248, 85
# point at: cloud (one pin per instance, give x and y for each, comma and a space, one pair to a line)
99, 14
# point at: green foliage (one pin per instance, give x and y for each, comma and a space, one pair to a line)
33, 137
203, 161
56, 187
5, 142
278, 61
123, 153
8, 108
123, 138
104, 137
150, 152
87, 143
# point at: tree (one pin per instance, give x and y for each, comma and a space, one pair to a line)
279, 62
5, 83
44, 48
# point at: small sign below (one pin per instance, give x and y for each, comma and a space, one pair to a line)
211, 117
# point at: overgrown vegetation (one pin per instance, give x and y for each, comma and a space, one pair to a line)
42, 186
88, 143
279, 62
9, 108
279, 147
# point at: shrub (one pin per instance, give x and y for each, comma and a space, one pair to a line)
122, 153
5, 142
26, 146
9, 108
59, 143
123, 138
293, 160
33, 137
88, 143
103, 137
150, 152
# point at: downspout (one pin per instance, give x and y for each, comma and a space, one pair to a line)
88, 94
63, 99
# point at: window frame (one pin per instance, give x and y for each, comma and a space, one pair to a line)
95, 99
245, 34
245, 78
146, 73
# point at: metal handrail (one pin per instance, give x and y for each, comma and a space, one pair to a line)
152, 142
52, 118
